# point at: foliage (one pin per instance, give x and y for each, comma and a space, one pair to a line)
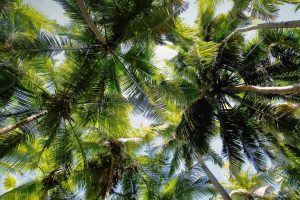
84, 147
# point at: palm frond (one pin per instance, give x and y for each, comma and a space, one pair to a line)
71, 10
9, 142
276, 117
29, 190
197, 124
264, 9
26, 46
6, 6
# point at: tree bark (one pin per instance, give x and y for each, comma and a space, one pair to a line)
22, 122
213, 179
110, 177
90, 22
268, 25
293, 89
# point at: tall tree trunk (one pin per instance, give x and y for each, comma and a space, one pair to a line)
22, 122
268, 25
293, 89
90, 22
213, 179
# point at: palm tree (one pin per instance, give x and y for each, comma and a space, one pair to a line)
249, 186
122, 66
113, 169
128, 72
186, 155
223, 79
76, 160
25, 46
151, 175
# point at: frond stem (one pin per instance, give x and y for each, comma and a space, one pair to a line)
281, 90
22, 122
268, 25
90, 22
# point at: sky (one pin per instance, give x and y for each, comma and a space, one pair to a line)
55, 12
51, 9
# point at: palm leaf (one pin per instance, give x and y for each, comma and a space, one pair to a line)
28, 191
197, 124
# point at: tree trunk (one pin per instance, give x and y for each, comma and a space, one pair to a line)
213, 179
90, 22
22, 122
294, 89
110, 177
268, 25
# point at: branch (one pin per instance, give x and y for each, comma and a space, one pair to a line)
23, 122
269, 25
90, 22
213, 179
294, 89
